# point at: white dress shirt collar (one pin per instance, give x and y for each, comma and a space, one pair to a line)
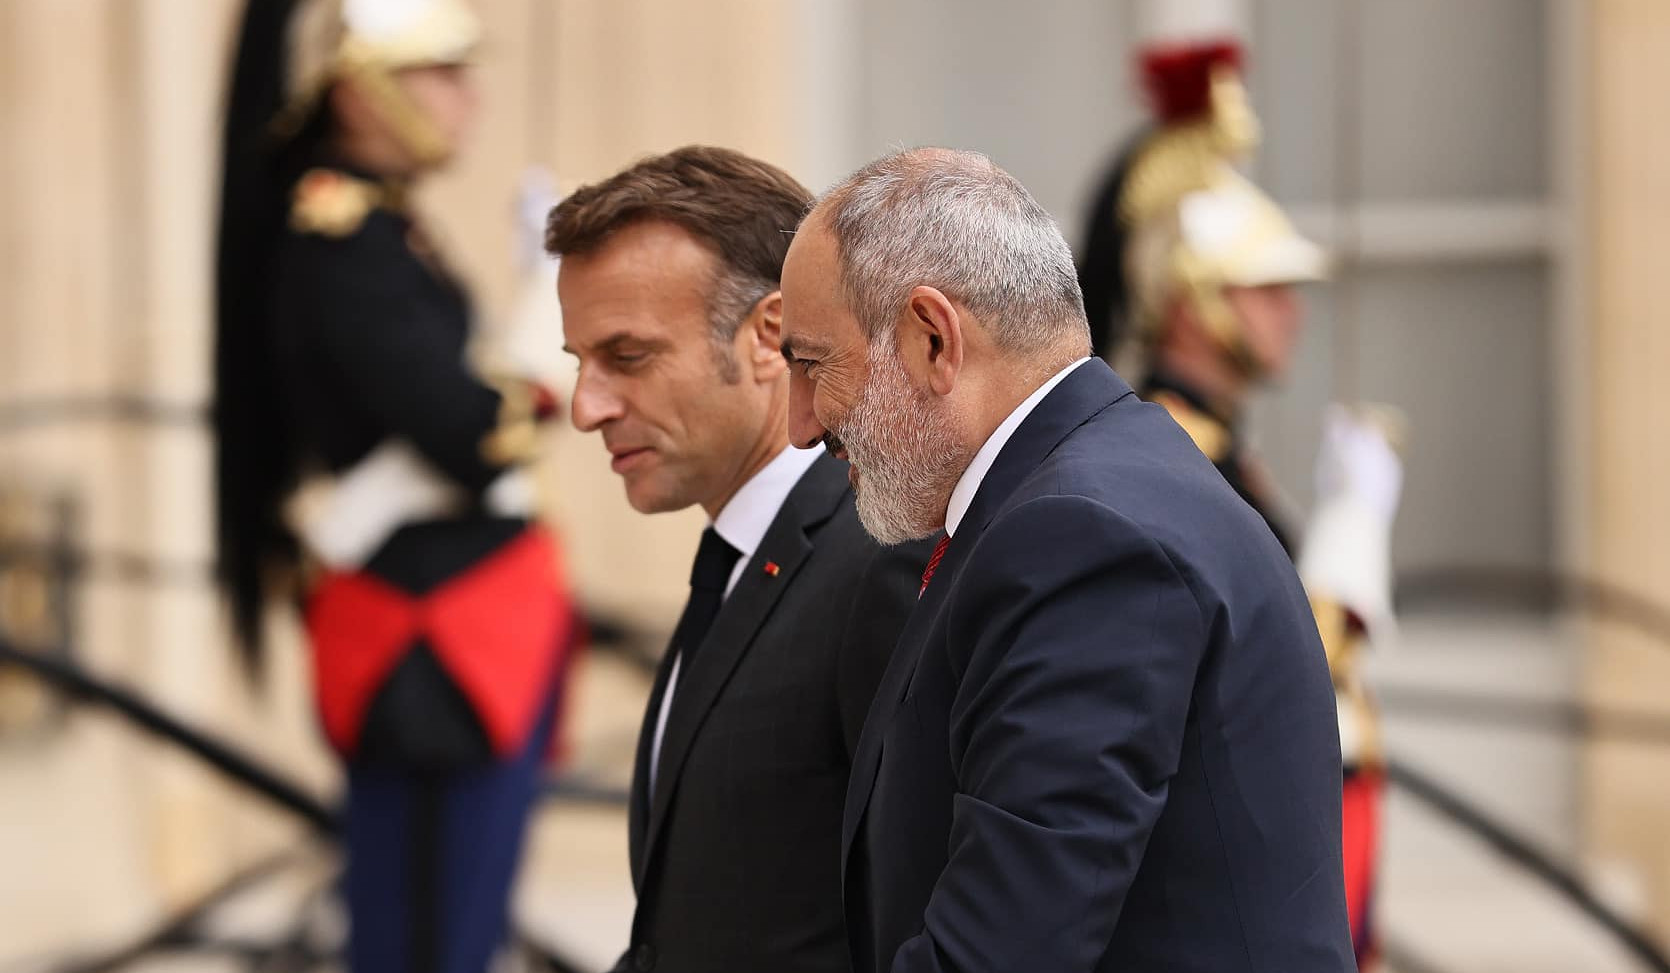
963, 494
742, 522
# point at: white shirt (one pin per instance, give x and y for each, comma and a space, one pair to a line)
963, 493
742, 523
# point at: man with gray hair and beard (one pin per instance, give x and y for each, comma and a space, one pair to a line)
1106, 739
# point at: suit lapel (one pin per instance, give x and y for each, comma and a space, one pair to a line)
1084, 393
894, 681
637, 815
787, 544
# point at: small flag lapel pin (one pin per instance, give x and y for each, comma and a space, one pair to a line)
772, 569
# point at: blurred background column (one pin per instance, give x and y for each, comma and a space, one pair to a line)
109, 144
60, 210
1627, 797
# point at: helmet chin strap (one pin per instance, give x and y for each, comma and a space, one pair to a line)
1211, 306
409, 125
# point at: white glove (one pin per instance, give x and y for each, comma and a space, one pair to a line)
1346, 555
344, 519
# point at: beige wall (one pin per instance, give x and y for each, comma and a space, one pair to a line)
106, 181
1628, 465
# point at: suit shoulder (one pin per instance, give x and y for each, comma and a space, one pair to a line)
1207, 433
1134, 477
1057, 542
1137, 460
1056, 522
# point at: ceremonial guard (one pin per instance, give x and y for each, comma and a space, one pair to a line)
368, 473
1187, 257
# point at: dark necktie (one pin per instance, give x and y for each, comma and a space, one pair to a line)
708, 577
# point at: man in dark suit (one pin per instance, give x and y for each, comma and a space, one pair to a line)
669, 288
1106, 740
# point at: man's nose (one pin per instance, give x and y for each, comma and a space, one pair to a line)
805, 431
594, 402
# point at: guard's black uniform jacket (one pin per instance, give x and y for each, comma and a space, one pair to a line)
440, 650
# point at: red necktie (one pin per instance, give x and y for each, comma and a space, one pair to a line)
933, 563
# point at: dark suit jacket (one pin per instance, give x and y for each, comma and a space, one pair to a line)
737, 860
1106, 740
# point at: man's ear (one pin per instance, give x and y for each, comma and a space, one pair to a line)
764, 351
931, 340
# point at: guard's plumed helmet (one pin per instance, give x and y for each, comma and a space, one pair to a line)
368, 41
1194, 224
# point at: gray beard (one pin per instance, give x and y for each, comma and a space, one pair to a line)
906, 452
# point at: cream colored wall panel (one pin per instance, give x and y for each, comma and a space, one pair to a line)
15, 116
178, 470
182, 59
58, 270
1629, 544
642, 76
75, 865
474, 202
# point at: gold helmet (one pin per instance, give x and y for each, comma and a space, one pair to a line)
368, 41
1194, 224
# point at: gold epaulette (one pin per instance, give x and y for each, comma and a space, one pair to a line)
1210, 436
332, 203
1342, 641
516, 438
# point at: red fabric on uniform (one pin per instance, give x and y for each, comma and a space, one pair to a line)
1360, 827
497, 629
360, 626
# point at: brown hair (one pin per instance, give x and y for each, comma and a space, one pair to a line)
743, 209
